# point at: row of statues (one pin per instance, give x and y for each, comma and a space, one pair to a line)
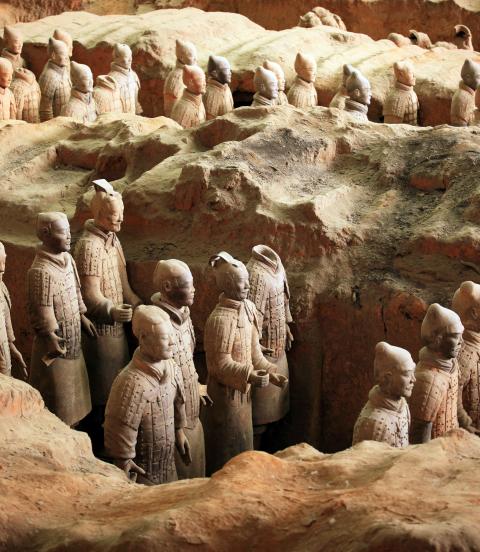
149, 405
64, 87
144, 411
443, 389
67, 88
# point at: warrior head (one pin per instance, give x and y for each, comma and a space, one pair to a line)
53, 230
107, 207
306, 67
60, 34
219, 69
466, 303
358, 88
404, 72
122, 55
442, 331
277, 70
194, 79
265, 83
82, 78
153, 329
6, 73
394, 370
173, 279
231, 276
471, 74
58, 52
186, 52
13, 40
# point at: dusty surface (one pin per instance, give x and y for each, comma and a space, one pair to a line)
54, 495
152, 37
359, 213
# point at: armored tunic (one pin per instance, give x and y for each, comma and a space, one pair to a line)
469, 380
218, 99
26, 92
338, 100
56, 86
357, 110
233, 351
261, 101
435, 393
129, 86
189, 110
173, 88
106, 95
145, 407
183, 348
383, 419
55, 305
8, 109
100, 255
15, 59
302, 93
281, 98
6, 331
463, 106
270, 293
81, 107
401, 105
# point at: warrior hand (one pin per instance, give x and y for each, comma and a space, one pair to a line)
17, 357
259, 378
89, 327
279, 380
55, 345
473, 429
290, 339
183, 446
121, 313
129, 467
204, 396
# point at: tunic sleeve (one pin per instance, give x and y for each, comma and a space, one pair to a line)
180, 416
40, 301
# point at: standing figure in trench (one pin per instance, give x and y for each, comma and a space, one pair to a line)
218, 97
386, 417
173, 88
81, 105
145, 413
26, 92
466, 303
270, 294
266, 88
106, 95
340, 97
189, 110
108, 297
277, 70
126, 78
174, 281
235, 363
13, 45
302, 93
401, 103
8, 109
463, 101
433, 404
55, 81
57, 315
8, 350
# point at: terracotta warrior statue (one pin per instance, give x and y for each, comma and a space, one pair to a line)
433, 404
401, 103
419, 39
55, 81
266, 88
126, 78
466, 303
386, 417
8, 351
174, 281
26, 92
462, 37
108, 297
235, 363
60, 34
189, 110
302, 93
359, 96
57, 315
218, 97
145, 413
276, 68
174, 86
270, 294
338, 100
13, 45
8, 109
81, 105
463, 101
106, 95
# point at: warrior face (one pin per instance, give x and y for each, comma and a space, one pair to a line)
237, 284
6, 73
157, 344
401, 380
182, 291
449, 344
57, 238
110, 217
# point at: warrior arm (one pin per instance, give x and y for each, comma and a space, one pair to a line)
258, 360
120, 439
464, 376
40, 301
46, 107
180, 416
98, 306
129, 295
13, 107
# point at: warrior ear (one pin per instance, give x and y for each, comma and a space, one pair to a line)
474, 313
